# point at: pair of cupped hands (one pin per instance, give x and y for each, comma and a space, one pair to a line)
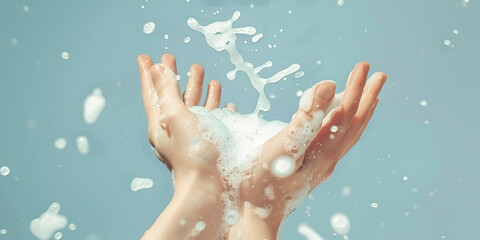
195, 211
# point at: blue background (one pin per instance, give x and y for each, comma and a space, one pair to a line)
405, 39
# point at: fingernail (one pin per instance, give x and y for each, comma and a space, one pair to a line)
325, 90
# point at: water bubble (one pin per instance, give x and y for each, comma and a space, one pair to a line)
455, 31
232, 217
149, 27
299, 74
65, 55
178, 77
141, 183
200, 226
299, 93
447, 42
283, 167
4, 171
318, 62
82, 145
186, 40
13, 41
60, 143
58, 235
334, 128
374, 205
346, 191
289, 11
257, 37
426, 122
340, 2
165, 36
3, 231
405, 178
340, 223
72, 226
423, 103
272, 96
26, 8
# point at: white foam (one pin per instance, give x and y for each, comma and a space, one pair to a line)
60, 143
222, 36
283, 167
82, 145
3, 231
264, 212
149, 27
299, 74
4, 171
72, 226
200, 226
186, 40
423, 103
232, 217
141, 183
93, 105
374, 205
340, 223
166, 36
65, 55
308, 232
340, 2
346, 191
269, 192
257, 37
48, 223
26, 8
58, 235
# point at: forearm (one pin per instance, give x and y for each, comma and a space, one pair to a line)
189, 206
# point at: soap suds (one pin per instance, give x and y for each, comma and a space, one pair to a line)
60, 143
308, 232
141, 183
82, 145
93, 106
340, 223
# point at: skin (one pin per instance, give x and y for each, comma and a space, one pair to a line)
172, 128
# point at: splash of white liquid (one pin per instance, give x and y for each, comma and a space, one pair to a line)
4, 171
340, 223
93, 106
48, 223
283, 167
257, 37
141, 183
308, 232
3, 231
149, 27
82, 145
222, 36
65, 55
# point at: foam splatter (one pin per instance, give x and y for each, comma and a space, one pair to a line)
141, 183
82, 145
308, 232
48, 223
149, 27
93, 106
340, 223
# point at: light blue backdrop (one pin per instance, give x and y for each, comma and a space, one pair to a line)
405, 39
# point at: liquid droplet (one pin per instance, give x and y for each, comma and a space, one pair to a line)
283, 167
4, 171
340, 223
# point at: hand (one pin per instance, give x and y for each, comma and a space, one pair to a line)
313, 145
172, 129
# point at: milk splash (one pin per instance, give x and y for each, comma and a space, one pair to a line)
222, 36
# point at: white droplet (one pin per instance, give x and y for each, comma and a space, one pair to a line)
72, 226
48, 223
346, 191
374, 205
4, 171
143, 6
252, 5
423, 103
232, 217
272, 96
318, 62
13, 41
60, 143
405, 178
26, 8
3, 231
178, 77
426, 122
186, 40
58, 235
149, 27
65, 55
165, 36
93, 105
82, 145
257, 37
289, 11
447, 42
299, 93
141, 183
200, 226
455, 31
308, 232
283, 166
299, 74
340, 223
340, 2
334, 128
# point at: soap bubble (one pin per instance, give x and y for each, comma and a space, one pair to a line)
334, 128
447, 42
65, 55
299, 93
141, 183
58, 235
423, 103
340, 2
340, 223
186, 40
232, 217
3, 231
165, 36
72, 226
199, 226
374, 205
299, 74
60, 143
283, 167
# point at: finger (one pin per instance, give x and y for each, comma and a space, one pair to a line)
293, 140
349, 140
231, 106
354, 90
213, 95
193, 91
148, 90
170, 61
